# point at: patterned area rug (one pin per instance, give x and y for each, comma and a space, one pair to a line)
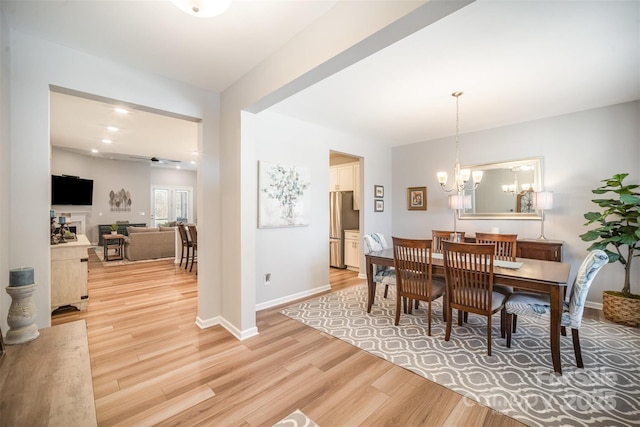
518, 382
296, 419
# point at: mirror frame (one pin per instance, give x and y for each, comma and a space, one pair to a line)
538, 183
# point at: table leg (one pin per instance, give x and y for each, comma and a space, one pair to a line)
370, 285
554, 327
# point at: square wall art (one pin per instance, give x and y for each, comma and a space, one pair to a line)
284, 195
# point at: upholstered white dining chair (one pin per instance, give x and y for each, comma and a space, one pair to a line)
538, 306
382, 274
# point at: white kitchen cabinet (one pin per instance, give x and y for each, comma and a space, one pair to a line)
352, 249
356, 187
341, 177
69, 274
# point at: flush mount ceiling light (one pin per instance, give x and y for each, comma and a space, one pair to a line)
202, 8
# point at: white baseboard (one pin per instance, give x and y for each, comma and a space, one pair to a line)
362, 276
218, 320
596, 305
289, 298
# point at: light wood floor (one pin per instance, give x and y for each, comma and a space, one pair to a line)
151, 365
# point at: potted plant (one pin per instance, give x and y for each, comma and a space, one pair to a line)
114, 228
619, 229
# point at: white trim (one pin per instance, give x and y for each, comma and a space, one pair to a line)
596, 305
289, 298
362, 276
207, 323
218, 320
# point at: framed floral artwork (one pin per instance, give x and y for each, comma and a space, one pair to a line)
417, 198
378, 206
378, 191
284, 195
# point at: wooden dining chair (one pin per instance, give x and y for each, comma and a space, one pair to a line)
439, 236
538, 306
413, 264
505, 244
193, 234
186, 244
469, 276
505, 249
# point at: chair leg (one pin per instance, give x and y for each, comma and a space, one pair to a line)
399, 300
386, 290
193, 258
466, 317
182, 255
503, 320
186, 264
489, 335
510, 318
429, 318
460, 315
576, 347
447, 334
515, 320
563, 331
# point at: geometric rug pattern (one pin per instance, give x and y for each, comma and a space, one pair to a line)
517, 381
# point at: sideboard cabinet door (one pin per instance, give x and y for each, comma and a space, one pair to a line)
548, 250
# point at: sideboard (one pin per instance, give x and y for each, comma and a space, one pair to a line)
546, 250
69, 273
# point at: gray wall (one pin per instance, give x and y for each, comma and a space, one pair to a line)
579, 150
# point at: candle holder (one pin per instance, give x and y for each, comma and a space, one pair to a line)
22, 311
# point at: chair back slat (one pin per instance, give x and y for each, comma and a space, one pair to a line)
469, 276
505, 244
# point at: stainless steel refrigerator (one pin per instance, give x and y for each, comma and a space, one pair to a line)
341, 217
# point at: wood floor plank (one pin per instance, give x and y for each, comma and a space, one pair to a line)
151, 364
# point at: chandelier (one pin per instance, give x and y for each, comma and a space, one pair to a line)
513, 188
461, 176
202, 8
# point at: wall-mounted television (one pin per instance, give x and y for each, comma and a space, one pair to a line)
71, 190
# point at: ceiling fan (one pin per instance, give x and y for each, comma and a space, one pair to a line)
154, 159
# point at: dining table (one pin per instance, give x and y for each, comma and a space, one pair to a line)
548, 277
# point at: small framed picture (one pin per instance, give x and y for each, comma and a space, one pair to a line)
417, 198
379, 206
378, 190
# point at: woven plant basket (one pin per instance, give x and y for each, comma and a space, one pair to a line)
625, 311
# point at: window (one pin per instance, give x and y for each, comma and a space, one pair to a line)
171, 204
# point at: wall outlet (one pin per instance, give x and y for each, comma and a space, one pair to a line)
267, 278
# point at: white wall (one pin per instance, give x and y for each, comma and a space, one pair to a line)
5, 176
298, 257
579, 150
35, 64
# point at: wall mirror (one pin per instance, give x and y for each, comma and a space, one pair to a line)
506, 190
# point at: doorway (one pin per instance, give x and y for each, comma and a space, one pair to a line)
344, 216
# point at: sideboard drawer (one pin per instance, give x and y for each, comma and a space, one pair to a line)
547, 250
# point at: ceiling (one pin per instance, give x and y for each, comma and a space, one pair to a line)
516, 61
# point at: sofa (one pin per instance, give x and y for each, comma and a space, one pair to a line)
150, 243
